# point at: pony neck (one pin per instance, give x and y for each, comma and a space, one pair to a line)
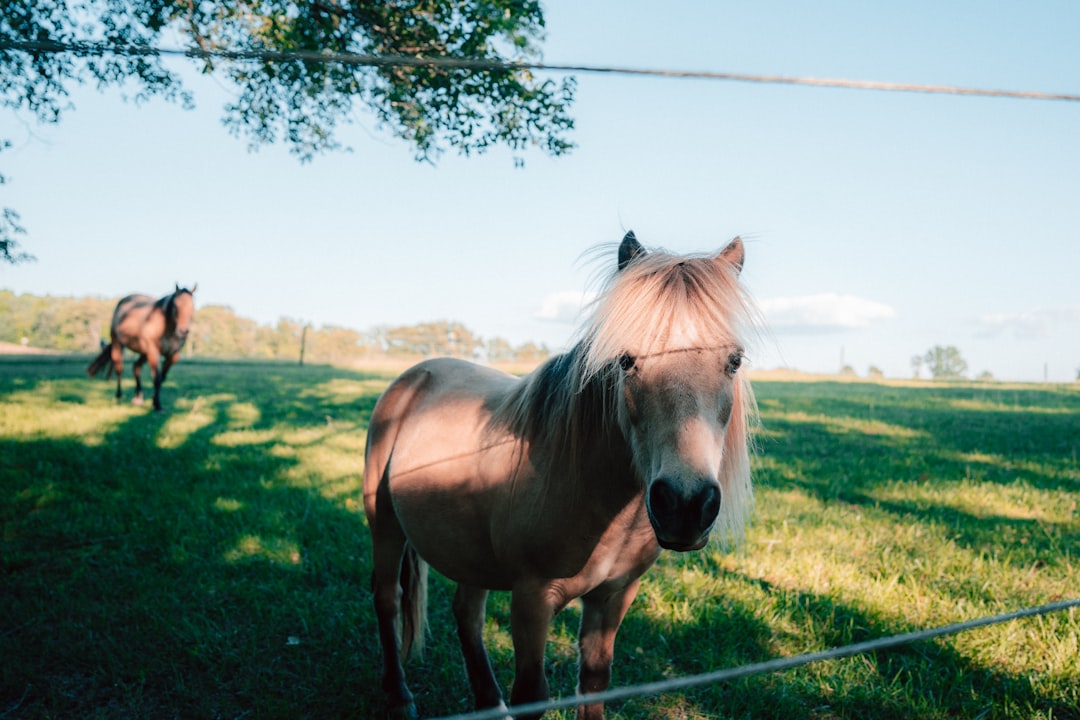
568, 416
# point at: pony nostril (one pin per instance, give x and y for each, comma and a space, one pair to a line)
662, 500
710, 505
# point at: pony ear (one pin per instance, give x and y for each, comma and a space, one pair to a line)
177, 287
734, 254
194, 288
629, 250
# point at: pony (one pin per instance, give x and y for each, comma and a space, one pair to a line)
155, 329
568, 482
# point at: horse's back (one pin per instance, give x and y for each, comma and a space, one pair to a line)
126, 305
454, 397
129, 317
431, 454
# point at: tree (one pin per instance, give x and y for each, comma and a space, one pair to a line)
9, 228
9, 221
79, 324
432, 339
499, 350
945, 363
916, 364
334, 344
269, 51
531, 352
218, 332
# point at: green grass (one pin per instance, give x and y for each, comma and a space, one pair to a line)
213, 560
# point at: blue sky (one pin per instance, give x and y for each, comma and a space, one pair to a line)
878, 224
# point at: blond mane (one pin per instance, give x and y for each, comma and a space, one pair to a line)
659, 303
663, 302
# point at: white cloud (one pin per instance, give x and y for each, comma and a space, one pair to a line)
826, 312
564, 307
1032, 324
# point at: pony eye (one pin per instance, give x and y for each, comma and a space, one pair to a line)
627, 362
733, 363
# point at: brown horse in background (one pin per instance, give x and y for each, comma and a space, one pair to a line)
155, 329
568, 482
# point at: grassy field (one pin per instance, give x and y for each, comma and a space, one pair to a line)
211, 561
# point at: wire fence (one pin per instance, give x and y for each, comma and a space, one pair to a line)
718, 676
93, 49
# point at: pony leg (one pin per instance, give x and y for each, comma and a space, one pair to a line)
153, 359
136, 370
600, 620
531, 613
387, 597
389, 551
118, 365
159, 377
469, 611
169, 361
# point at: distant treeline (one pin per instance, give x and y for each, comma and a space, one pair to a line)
80, 324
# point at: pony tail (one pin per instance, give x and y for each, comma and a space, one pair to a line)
413, 578
100, 361
738, 494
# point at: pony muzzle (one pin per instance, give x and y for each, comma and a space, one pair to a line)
683, 514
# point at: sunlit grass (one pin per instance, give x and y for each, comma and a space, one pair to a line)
1017, 501
843, 424
52, 411
1001, 405
228, 504
189, 417
283, 551
241, 438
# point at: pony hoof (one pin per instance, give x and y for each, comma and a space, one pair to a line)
137, 400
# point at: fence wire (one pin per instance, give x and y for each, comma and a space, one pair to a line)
663, 686
92, 49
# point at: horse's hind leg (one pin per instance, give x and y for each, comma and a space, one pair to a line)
118, 366
600, 620
136, 370
469, 611
389, 543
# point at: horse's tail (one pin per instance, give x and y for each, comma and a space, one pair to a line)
101, 361
414, 576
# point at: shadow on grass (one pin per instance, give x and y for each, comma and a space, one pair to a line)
194, 579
